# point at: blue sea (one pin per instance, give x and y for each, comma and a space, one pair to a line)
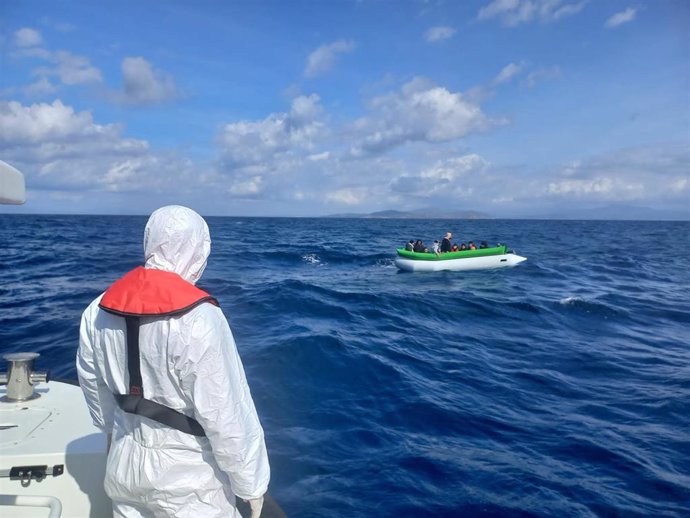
558, 388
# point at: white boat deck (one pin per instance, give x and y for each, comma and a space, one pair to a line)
53, 430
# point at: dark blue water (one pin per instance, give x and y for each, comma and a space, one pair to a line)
557, 388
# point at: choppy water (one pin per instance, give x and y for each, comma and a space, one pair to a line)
558, 388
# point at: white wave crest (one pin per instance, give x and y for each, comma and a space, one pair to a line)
311, 258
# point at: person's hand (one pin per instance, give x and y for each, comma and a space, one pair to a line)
255, 505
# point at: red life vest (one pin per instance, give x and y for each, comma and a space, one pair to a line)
145, 292
148, 292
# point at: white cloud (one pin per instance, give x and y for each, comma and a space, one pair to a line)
440, 33
45, 122
317, 157
602, 187
680, 185
572, 168
27, 38
74, 70
144, 173
542, 74
70, 68
622, 17
453, 168
34, 52
248, 187
254, 142
507, 73
480, 93
498, 8
646, 175
446, 180
349, 196
66, 150
630, 174
515, 12
323, 58
420, 111
560, 11
142, 84
40, 88
305, 109
60, 149
297, 155
253, 151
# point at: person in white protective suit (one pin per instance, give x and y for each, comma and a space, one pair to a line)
189, 366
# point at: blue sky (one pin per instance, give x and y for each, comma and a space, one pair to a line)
511, 107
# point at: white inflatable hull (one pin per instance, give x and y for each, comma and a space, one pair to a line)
467, 263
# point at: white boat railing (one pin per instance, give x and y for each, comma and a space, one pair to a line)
50, 502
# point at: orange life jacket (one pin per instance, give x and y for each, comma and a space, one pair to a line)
149, 292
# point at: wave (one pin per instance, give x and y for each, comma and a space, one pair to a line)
590, 307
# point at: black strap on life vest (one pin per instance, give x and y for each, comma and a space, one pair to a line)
134, 402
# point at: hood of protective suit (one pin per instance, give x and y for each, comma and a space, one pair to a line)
177, 240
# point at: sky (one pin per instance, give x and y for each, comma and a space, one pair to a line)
310, 108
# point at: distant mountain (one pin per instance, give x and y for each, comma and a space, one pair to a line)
619, 212
429, 213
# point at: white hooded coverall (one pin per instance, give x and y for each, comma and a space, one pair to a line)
190, 364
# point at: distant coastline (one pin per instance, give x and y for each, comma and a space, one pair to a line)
601, 213
416, 214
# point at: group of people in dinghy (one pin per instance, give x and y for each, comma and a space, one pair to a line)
442, 247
